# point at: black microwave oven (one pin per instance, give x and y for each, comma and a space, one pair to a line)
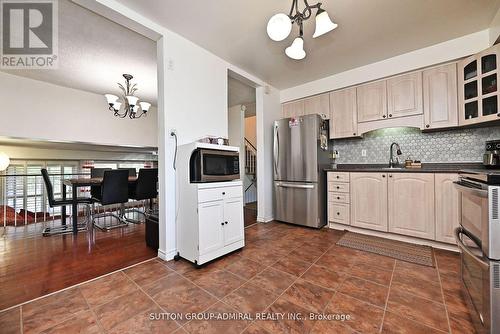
209, 165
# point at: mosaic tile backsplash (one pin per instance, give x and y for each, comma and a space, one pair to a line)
460, 145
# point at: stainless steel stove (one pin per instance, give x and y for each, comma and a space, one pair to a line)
478, 238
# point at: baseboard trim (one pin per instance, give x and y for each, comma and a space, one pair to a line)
166, 256
387, 235
265, 219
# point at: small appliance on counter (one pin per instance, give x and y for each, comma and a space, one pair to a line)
209, 197
478, 238
214, 140
491, 158
213, 163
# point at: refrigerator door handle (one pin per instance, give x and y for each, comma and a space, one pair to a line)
276, 149
293, 185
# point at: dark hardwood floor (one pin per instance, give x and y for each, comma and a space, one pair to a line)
250, 213
33, 267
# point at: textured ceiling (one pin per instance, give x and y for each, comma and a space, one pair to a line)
94, 53
369, 31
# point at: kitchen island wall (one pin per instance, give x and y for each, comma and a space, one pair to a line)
459, 145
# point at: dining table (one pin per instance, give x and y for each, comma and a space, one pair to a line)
76, 184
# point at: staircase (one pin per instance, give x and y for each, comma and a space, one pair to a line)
250, 172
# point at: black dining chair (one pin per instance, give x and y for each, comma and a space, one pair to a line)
114, 190
95, 191
53, 203
145, 188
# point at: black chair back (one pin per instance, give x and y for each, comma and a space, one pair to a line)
98, 172
48, 187
95, 191
114, 189
132, 172
145, 187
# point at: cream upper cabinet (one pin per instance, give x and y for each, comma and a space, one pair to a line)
440, 97
369, 200
411, 204
404, 95
478, 89
343, 116
372, 101
319, 104
448, 206
293, 109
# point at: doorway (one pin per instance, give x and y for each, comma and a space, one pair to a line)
242, 132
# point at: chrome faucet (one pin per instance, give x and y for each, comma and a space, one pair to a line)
394, 162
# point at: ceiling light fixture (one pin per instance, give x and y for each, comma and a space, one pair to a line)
280, 26
131, 104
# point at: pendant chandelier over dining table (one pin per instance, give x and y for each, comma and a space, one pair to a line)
280, 26
131, 105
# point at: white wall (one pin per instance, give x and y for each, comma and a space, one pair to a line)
439, 53
38, 110
495, 28
268, 110
28, 153
251, 130
236, 133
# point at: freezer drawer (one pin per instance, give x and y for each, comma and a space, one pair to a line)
298, 203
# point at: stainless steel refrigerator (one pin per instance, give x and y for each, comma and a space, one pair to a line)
300, 155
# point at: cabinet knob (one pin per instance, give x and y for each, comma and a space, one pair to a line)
338, 187
384, 116
427, 126
223, 193
338, 197
383, 176
390, 115
498, 114
338, 213
354, 134
338, 177
390, 175
226, 223
222, 224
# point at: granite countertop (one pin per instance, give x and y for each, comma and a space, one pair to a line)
426, 168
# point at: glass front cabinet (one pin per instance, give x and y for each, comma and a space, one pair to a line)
478, 91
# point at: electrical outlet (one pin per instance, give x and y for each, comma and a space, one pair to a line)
170, 64
363, 153
173, 132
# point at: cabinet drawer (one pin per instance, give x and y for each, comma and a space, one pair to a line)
338, 213
339, 177
215, 194
338, 197
338, 187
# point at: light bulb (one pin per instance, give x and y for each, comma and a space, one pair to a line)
323, 23
132, 100
296, 50
279, 27
117, 105
111, 98
145, 106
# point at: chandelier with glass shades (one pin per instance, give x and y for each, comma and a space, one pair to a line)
131, 105
280, 26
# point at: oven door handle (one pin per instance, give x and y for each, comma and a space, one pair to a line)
484, 265
479, 192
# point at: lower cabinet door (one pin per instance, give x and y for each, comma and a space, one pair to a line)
369, 200
233, 220
411, 204
448, 207
211, 220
